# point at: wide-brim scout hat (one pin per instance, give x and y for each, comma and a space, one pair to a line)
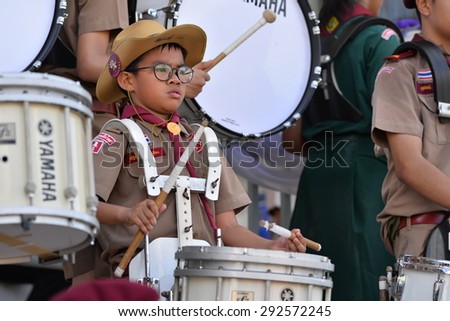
410, 4
139, 38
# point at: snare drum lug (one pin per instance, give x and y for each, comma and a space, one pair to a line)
92, 203
399, 287
437, 289
70, 192
30, 189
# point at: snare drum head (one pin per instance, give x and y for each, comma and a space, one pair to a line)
265, 81
29, 30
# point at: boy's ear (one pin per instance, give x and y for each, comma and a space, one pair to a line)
125, 81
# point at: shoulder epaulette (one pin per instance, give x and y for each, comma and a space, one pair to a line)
401, 55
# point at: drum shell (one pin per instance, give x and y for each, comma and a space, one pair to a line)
48, 195
417, 278
228, 273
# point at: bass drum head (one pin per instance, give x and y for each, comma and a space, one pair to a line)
261, 87
30, 29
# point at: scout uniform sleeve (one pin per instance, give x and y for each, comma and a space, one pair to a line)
232, 195
380, 43
396, 102
108, 149
102, 15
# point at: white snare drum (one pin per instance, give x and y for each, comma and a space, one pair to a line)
47, 199
422, 279
29, 31
239, 274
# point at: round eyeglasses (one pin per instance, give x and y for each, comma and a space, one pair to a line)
164, 72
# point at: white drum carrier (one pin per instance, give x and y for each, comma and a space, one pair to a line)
47, 199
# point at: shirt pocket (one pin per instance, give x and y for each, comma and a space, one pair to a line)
436, 129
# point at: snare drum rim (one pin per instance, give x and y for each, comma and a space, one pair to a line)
251, 255
421, 263
78, 98
313, 79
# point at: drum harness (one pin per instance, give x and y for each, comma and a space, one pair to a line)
328, 102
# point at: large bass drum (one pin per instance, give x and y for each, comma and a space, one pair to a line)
260, 88
29, 31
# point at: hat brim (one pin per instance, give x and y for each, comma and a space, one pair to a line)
191, 37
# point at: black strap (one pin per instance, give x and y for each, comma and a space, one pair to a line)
327, 102
132, 11
355, 27
438, 65
437, 245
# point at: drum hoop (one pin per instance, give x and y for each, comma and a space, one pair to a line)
207, 254
75, 96
425, 264
58, 20
313, 80
87, 223
39, 211
290, 278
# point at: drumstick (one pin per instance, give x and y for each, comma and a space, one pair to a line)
170, 182
268, 16
288, 234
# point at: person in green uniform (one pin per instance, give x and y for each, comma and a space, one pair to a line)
339, 194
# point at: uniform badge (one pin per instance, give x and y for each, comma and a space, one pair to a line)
97, 146
424, 82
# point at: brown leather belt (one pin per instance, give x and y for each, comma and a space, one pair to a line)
424, 218
99, 107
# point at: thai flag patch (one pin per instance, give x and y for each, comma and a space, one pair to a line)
424, 83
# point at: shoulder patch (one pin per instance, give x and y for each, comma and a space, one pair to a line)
402, 55
105, 138
388, 33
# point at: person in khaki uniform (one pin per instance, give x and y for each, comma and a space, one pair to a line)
86, 38
414, 139
151, 66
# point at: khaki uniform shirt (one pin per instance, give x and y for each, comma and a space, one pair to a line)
116, 180
85, 16
403, 102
